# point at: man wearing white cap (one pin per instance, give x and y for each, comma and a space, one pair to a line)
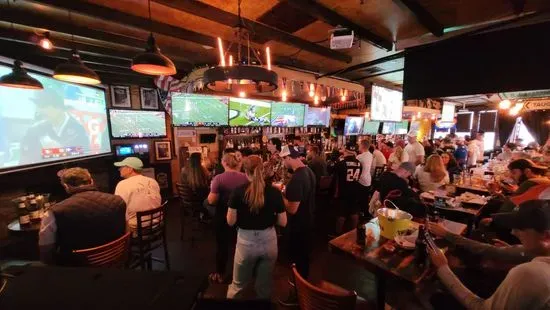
140, 193
414, 149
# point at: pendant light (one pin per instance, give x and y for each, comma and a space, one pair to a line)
152, 61
74, 70
19, 78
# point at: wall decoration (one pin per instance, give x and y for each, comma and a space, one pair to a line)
163, 150
149, 98
120, 96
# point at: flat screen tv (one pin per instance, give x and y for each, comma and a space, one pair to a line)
284, 114
317, 116
353, 125
249, 112
61, 122
371, 127
386, 104
402, 128
137, 124
388, 128
199, 110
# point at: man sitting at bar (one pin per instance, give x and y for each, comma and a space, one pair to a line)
88, 218
140, 193
394, 186
527, 286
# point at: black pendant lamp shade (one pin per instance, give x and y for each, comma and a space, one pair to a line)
75, 71
152, 61
19, 78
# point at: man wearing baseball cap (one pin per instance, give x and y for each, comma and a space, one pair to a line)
140, 193
299, 199
346, 182
414, 149
527, 286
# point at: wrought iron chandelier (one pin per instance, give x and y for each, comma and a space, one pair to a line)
244, 76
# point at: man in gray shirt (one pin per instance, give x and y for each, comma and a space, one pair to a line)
527, 286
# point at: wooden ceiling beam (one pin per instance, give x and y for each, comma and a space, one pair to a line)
32, 19
377, 74
229, 19
329, 16
424, 17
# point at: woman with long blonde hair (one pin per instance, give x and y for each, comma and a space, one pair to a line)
397, 157
433, 174
255, 208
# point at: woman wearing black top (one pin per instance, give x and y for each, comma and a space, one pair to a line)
451, 164
255, 208
195, 181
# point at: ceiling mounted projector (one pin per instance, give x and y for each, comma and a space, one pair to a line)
341, 38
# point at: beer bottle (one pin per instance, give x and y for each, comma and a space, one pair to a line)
23, 213
420, 247
34, 211
361, 231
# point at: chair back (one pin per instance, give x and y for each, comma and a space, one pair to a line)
112, 254
311, 297
151, 226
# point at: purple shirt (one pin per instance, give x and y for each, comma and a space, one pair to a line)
223, 184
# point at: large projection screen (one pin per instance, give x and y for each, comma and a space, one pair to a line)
386, 104
62, 122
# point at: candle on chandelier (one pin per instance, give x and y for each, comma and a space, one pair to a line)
222, 57
311, 90
316, 100
242, 94
268, 53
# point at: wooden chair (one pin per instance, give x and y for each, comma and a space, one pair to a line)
113, 254
190, 206
326, 296
151, 235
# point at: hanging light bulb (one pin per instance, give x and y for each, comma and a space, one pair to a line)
419, 114
316, 100
413, 118
19, 78
311, 90
284, 95
45, 42
513, 111
519, 105
242, 94
433, 117
367, 114
505, 104
344, 94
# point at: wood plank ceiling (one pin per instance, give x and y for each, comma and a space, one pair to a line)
109, 33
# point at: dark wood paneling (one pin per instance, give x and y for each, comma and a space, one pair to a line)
285, 17
229, 19
508, 60
424, 17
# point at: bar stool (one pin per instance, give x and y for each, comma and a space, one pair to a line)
191, 205
150, 235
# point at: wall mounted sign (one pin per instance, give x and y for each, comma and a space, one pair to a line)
536, 104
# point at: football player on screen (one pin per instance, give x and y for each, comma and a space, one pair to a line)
53, 128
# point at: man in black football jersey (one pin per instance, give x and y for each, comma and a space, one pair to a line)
347, 173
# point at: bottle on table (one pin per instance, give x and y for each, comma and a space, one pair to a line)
420, 247
361, 231
34, 211
23, 214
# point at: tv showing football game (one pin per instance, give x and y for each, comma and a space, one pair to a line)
249, 112
137, 124
285, 114
317, 116
402, 128
371, 127
199, 110
61, 122
353, 125
388, 128
386, 104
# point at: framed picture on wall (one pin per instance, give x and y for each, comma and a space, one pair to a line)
149, 98
163, 150
120, 96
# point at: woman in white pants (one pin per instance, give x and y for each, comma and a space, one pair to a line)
255, 207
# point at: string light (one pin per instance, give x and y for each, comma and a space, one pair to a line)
419, 114
433, 117
316, 100
284, 95
344, 95
242, 94
413, 118
311, 90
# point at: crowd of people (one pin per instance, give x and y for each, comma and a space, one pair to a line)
256, 192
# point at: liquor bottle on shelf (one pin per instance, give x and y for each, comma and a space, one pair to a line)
34, 211
23, 214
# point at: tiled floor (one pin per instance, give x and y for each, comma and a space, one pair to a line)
200, 258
